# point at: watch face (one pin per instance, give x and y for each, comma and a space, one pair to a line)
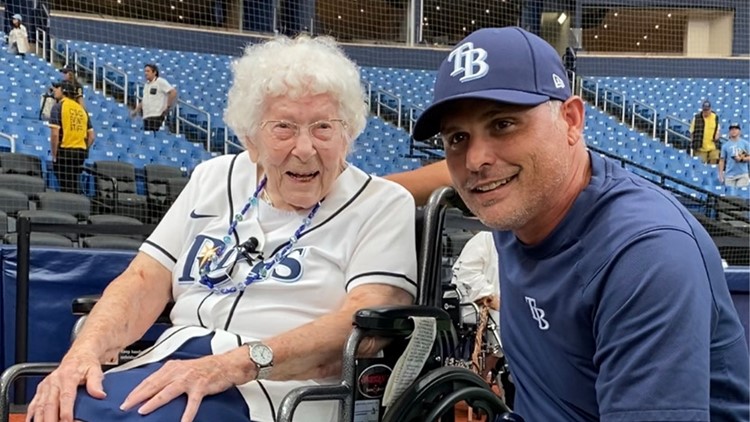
261, 354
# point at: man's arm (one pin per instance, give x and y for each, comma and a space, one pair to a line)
54, 141
171, 98
722, 163
423, 181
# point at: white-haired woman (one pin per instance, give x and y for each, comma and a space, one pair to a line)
267, 254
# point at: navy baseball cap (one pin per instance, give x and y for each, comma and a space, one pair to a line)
734, 125
706, 105
68, 69
508, 65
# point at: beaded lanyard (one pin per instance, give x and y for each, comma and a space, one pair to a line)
217, 278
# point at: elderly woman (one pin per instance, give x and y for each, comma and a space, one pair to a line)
267, 254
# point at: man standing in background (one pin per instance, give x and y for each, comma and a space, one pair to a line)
158, 98
705, 132
733, 162
71, 135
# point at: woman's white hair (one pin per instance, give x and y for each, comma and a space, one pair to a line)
294, 68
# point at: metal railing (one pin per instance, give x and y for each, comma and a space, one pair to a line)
380, 104
183, 120
11, 139
105, 80
636, 111
593, 92
611, 100
681, 137
40, 33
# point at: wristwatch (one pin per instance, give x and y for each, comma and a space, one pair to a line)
262, 356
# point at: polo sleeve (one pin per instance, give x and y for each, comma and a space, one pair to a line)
652, 327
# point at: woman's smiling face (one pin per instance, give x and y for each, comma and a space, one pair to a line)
301, 145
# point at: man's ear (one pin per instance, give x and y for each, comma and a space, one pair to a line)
573, 113
251, 148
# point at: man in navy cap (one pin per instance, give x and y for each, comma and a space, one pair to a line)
614, 301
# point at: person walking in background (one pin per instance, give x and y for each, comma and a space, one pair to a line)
18, 38
158, 98
734, 158
704, 130
71, 135
69, 74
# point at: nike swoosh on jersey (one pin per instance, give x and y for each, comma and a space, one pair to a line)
194, 214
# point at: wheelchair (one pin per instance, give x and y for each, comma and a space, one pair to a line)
427, 392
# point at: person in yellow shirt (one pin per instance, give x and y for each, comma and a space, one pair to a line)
71, 135
704, 130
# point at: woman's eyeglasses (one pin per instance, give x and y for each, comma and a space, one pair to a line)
283, 130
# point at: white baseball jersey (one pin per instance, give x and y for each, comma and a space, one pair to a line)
363, 233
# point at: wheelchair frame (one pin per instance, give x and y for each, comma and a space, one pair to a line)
390, 322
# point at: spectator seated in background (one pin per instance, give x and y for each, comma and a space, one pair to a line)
18, 37
267, 255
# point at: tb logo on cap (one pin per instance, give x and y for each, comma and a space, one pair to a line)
469, 61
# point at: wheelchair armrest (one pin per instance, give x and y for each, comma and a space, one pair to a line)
84, 304
11, 374
311, 393
394, 321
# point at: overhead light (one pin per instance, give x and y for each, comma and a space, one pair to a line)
562, 18
487, 11
669, 15
645, 37
638, 43
606, 26
656, 26
616, 14
596, 37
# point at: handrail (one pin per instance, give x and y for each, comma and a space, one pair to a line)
65, 57
78, 63
634, 113
106, 79
228, 142
668, 130
184, 120
622, 95
43, 33
595, 92
11, 139
379, 103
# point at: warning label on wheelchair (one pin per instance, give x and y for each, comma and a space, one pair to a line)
367, 411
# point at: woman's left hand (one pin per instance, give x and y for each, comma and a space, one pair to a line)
196, 378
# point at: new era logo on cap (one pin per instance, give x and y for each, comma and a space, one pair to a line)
508, 65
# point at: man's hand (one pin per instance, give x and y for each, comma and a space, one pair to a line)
56, 394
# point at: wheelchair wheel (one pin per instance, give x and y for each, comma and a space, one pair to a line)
432, 389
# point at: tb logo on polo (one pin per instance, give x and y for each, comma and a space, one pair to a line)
537, 313
470, 61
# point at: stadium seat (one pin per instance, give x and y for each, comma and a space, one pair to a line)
116, 190
77, 205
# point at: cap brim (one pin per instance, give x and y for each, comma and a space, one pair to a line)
428, 123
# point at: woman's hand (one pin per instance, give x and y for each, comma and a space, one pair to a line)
56, 394
195, 377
